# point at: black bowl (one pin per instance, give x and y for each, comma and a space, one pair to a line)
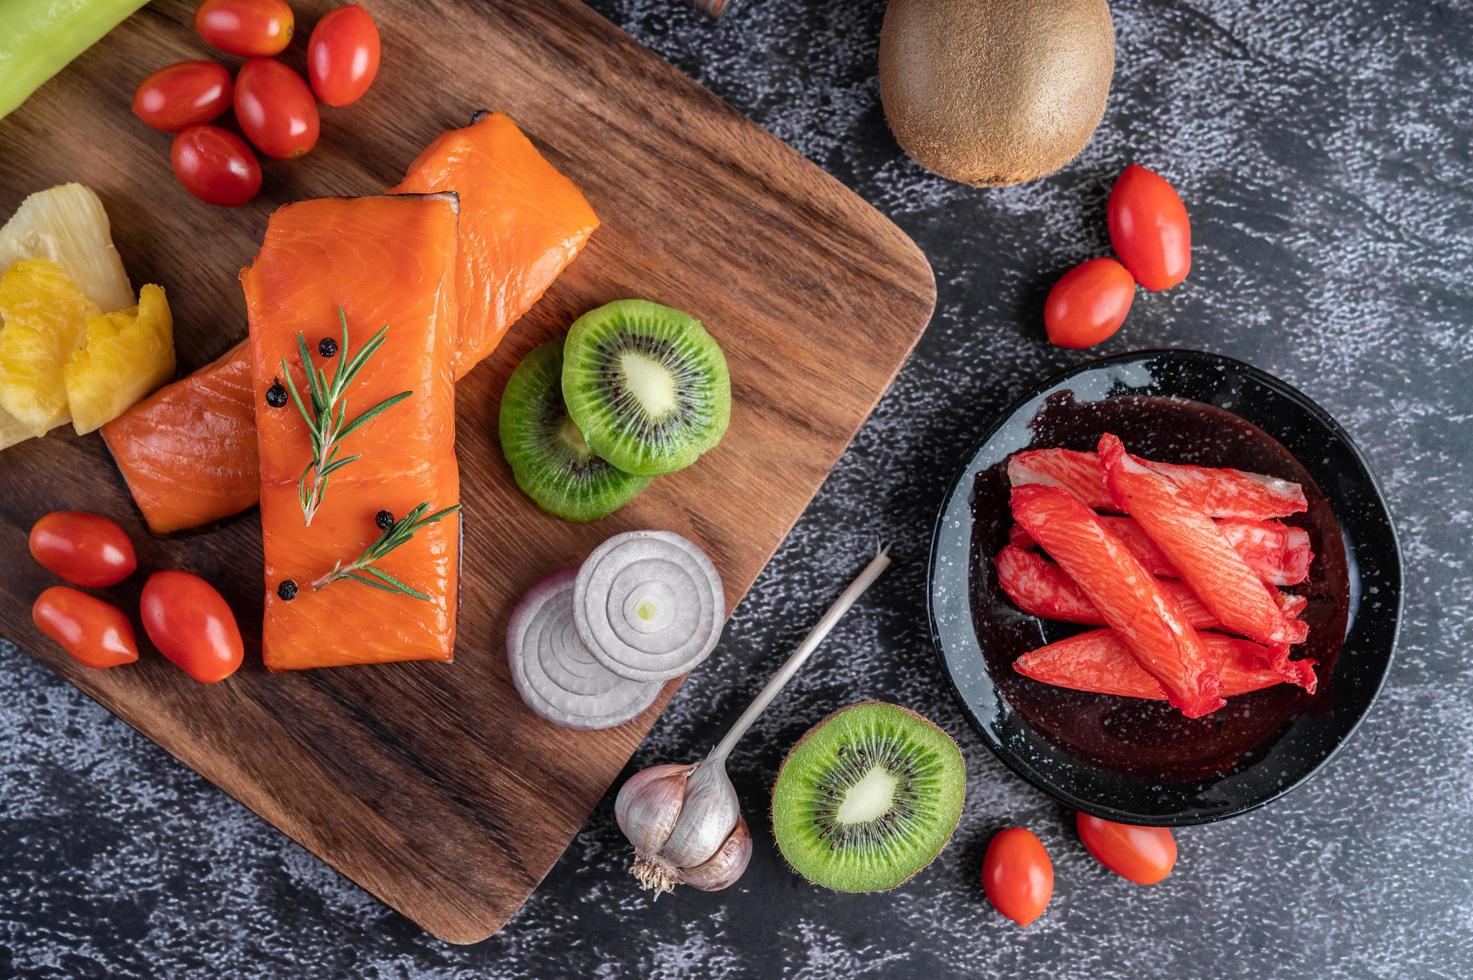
1140, 761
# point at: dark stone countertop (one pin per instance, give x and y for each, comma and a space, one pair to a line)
1324, 152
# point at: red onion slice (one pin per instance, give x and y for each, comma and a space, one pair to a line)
649, 605
553, 671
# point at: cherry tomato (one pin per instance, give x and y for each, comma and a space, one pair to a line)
1088, 303
95, 633
185, 94
1149, 228
191, 624
1143, 855
84, 549
1018, 875
342, 55
249, 28
216, 166
275, 109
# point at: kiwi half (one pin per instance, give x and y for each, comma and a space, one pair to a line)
548, 455
646, 385
869, 797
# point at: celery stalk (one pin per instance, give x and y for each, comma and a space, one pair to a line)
38, 38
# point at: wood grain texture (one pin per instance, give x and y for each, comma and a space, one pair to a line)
431, 785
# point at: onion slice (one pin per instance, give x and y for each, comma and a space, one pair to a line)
553, 671
649, 605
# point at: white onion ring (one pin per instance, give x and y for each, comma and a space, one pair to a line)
552, 670
649, 605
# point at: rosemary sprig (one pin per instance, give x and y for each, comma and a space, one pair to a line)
361, 568
327, 422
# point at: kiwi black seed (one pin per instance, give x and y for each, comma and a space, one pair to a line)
548, 455
869, 797
647, 386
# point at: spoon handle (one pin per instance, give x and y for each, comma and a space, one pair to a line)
810, 643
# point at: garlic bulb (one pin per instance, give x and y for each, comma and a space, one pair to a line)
686, 827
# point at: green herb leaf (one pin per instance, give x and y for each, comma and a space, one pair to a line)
362, 569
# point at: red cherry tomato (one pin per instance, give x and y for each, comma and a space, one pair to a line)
95, 633
342, 55
189, 93
216, 166
275, 109
1149, 228
192, 625
249, 28
84, 549
1143, 855
1018, 875
1088, 303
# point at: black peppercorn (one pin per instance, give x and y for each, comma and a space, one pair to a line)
327, 347
287, 590
384, 519
276, 394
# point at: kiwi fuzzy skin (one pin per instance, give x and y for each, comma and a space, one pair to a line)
995, 92
772, 797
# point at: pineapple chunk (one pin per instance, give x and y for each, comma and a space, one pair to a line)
45, 320
11, 431
126, 356
68, 225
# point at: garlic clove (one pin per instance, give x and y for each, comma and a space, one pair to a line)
710, 811
724, 867
650, 803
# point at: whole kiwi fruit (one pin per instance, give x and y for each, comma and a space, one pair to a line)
995, 92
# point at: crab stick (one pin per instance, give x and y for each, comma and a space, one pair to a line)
1217, 492
1207, 562
1100, 662
1131, 600
1278, 552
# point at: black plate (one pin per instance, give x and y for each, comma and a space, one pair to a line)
1139, 761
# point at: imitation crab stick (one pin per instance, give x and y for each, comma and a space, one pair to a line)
1099, 662
1218, 492
1206, 561
1040, 588
188, 451
521, 223
1278, 552
1129, 598
367, 263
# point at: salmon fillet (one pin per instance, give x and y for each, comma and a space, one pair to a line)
1207, 562
1040, 588
1279, 553
1130, 599
188, 451
380, 261
1099, 662
1216, 491
522, 222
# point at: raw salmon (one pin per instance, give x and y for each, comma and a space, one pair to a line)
522, 222
1099, 662
188, 451
1278, 552
1129, 598
1040, 588
1207, 562
1218, 492
379, 261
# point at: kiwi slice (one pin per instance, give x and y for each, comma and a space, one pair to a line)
869, 797
647, 386
549, 458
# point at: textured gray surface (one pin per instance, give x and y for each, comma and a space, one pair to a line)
1324, 153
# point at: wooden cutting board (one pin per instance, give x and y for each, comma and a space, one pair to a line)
430, 784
